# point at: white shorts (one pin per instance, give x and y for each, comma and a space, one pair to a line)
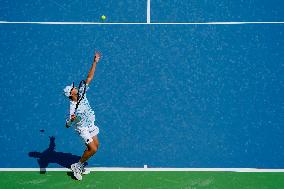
88, 132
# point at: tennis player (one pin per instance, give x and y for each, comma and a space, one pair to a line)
83, 118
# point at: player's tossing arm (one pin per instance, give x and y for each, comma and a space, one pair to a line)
93, 68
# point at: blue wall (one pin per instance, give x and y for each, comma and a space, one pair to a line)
217, 10
73, 10
166, 96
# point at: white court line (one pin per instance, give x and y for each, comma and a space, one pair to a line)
140, 23
148, 12
151, 169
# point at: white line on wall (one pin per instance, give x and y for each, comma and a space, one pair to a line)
148, 12
140, 23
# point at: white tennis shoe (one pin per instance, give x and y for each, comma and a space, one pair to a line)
86, 171
77, 171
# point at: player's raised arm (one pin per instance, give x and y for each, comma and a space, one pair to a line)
93, 68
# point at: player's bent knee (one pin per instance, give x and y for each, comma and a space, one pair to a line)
92, 148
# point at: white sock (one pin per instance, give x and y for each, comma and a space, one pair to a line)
80, 164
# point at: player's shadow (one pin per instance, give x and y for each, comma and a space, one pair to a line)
51, 156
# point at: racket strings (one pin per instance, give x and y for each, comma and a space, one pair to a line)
81, 97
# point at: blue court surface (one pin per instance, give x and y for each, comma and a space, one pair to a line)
171, 95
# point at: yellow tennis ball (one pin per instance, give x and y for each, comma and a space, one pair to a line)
103, 17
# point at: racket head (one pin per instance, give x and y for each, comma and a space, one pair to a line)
81, 92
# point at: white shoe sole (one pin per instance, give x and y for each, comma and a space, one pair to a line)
87, 171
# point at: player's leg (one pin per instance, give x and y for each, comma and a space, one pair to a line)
96, 140
91, 140
89, 152
89, 135
78, 168
86, 171
94, 131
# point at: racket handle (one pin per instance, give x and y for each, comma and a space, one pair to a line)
78, 119
68, 123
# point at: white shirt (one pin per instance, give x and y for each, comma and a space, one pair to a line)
84, 110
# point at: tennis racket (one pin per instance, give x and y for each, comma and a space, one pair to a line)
81, 94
